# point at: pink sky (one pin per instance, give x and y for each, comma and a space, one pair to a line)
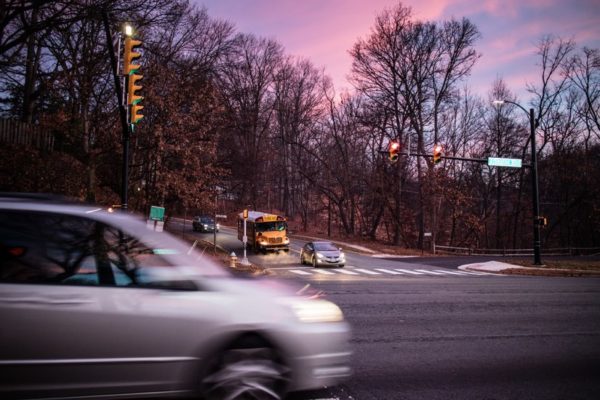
323, 31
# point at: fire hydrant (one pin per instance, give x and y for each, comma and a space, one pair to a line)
232, 259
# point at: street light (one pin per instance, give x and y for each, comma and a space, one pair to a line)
537, 257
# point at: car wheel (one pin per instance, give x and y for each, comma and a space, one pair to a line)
341, 265
251, 370
314, 262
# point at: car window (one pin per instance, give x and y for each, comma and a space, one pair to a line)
325, 246
56, 248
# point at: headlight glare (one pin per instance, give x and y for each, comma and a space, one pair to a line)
317, 311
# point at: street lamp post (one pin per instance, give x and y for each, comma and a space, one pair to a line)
537, 256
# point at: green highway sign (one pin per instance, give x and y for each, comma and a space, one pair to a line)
157, 213
504, 162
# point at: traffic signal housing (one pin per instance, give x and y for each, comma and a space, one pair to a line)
394, 151
437, 153
130, 55
130, 70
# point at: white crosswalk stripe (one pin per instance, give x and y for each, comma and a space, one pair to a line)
426, 271
322, 271
388, 271
346, 272
443, 271
300, 272
367, 271
408, 271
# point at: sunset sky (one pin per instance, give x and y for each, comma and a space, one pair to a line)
324, 30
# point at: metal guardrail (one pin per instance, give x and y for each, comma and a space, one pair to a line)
565, 251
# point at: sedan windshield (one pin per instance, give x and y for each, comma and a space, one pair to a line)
325, 246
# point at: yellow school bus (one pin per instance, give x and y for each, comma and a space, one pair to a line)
265, 231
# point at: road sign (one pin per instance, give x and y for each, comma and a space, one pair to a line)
427, 234
221, 216
504, 162
157, 213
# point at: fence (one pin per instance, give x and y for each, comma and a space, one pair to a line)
565, 251
21, 133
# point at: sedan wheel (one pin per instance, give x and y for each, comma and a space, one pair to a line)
247, 373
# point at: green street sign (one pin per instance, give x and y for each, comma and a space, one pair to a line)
505, 162
157, 213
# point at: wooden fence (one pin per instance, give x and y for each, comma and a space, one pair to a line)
21, 133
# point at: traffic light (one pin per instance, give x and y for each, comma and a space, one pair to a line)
129, 55
437, 153
130, 70
394, 151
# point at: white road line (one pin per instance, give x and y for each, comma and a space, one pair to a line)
476, 273
347, 272
367, 271
426, 271
449, 272
409, 271
320, 271
388, 271
300, 272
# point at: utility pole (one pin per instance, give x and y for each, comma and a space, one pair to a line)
122, 111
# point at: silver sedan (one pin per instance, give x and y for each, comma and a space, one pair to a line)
97, 305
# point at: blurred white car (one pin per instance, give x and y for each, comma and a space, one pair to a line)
94, 304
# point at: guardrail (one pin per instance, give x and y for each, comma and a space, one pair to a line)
565, 251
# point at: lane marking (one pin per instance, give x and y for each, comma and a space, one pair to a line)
320, 271
388, 271
426, 271
408, 271
344, 271
300, 272
449, 272
367, 271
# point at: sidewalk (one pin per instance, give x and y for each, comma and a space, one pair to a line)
510, 269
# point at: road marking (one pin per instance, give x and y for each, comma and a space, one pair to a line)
409, 271
345, 271
388, 271
476, 273
426, 271
300, 272
320, 271
367, 271
449, 272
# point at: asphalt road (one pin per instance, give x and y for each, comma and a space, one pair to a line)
458, 336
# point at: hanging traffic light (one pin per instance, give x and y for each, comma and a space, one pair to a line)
437, 153
130, 70
394, 151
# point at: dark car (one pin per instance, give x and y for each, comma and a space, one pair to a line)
204, 224
96, 304
322, 253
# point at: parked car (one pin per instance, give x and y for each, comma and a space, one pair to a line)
95, 304
204, 224
322, 253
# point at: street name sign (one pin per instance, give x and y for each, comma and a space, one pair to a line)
504, 162
157, 213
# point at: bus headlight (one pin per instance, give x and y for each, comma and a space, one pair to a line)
286, 241
262, 242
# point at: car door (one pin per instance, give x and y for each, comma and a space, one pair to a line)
78, 318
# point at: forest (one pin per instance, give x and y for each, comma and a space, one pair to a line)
233, 121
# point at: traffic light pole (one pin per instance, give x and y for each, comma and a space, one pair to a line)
122, 111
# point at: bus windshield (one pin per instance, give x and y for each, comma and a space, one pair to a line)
271, 226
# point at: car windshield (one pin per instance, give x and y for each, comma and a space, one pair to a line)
271, 226
207, 220
325, 246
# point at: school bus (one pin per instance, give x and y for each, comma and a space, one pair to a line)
265, 231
